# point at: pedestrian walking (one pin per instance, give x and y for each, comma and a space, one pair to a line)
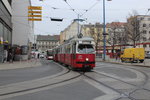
117, 55
38, 55
10, 56
5, 56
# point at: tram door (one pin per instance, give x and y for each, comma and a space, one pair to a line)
73, 57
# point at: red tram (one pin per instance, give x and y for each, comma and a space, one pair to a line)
78, 53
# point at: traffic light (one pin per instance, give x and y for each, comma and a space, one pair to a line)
35, 13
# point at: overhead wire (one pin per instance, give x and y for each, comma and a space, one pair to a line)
86, 10
71, 7
147, 12
90, 8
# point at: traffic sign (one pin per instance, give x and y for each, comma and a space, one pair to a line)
35, 8
34, 19
34, 15
35, 12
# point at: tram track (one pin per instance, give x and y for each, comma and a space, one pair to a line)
107, 86
15, 92
138, 87
122, 94
43, 86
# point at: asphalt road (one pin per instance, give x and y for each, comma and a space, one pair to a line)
106, 82
24, 74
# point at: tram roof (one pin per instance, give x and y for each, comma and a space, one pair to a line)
79, 39
84, 38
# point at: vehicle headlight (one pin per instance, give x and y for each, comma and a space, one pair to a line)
87, 59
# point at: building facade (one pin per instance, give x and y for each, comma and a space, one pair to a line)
96, 32
70, 31
23, 30
144, 22
45, 42
5, 26
116, 32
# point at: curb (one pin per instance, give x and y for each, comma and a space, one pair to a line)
125, 64
18, 65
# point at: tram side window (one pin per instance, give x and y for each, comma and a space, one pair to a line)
65, 49
59, 50
68, 49
74, 48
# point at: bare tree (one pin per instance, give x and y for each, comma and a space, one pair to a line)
116, 33
132, 29
123, 38
95, 31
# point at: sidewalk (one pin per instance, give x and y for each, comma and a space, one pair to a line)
146, 62
20, 64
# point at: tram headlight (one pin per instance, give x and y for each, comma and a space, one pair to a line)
87, 59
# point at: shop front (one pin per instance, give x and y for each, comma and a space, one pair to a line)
5, 30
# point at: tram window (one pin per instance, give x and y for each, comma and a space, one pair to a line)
85, 48
68, 49
74, 48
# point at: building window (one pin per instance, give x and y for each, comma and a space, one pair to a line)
148, 19
1, 30
142, 18
9, 38
144, 31
144, 25
144, 39
5, 34
144, 45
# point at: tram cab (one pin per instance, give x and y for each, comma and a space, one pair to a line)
83, 55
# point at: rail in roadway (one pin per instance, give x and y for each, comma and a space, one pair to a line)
20, 88
122, 94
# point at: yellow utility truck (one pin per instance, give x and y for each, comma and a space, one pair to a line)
133, 55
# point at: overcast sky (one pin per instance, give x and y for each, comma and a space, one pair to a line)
116, 10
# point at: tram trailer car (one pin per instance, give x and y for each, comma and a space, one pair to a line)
49, 54
55, 54
78, 53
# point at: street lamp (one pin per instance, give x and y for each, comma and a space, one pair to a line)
104, 31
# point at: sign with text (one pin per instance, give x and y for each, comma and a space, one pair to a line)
34, 13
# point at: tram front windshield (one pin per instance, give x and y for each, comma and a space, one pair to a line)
85, 48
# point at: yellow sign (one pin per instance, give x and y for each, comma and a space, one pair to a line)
35, 8
34, 15
35, 12
34, 19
